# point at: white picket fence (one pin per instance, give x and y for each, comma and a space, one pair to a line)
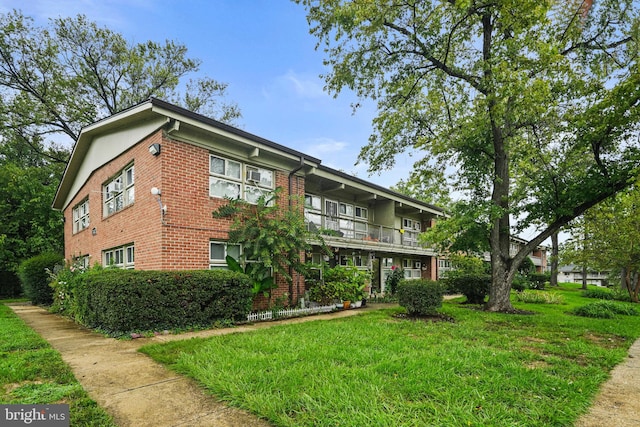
288, 312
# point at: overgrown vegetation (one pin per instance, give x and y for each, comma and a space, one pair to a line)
31, 372
339, 283
533, 370
606, 309
539, 297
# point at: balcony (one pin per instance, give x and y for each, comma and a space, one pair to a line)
361, 235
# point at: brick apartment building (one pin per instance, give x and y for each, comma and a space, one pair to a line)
141, 186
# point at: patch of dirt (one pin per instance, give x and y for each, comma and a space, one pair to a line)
608, 341
434, 318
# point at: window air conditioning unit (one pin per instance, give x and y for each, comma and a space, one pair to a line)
253, 175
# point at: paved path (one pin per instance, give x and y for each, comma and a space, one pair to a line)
133, 388
137, 391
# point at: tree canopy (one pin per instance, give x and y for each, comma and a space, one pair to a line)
607, 238
532, 104
56, 79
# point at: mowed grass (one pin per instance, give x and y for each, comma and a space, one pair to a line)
31, 372
484, 369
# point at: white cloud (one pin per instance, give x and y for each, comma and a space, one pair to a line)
304, 86
295, 85
322, 147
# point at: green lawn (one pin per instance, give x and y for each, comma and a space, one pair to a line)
31, 372
483, 369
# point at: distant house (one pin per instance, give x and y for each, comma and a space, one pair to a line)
573, 274
140, 188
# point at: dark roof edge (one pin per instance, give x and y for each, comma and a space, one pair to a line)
228, 128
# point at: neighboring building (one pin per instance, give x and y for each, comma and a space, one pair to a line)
538, 256
141, 186
573, 274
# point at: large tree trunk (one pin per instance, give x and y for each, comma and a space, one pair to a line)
553, 281
584, 276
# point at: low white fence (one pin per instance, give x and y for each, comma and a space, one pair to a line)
288, 312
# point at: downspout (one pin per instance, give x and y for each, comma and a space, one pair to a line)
290, 191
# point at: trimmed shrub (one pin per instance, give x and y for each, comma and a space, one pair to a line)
35, 275
9, 285
121, 301
475, 287
605, 309
520, 283
420, 297
538, 280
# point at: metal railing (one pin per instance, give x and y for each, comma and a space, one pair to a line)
360, 230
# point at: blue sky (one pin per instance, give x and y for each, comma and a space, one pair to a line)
263, 50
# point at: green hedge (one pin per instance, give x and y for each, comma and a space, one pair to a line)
475, 287
121, 301
420, 297
9, 285
35, 275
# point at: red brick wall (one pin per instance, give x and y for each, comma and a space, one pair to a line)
182, 242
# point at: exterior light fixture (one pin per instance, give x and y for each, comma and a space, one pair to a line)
154, 149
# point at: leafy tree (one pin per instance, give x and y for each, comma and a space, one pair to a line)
533, 104
607, 238
273, 234
57, 79
29, 225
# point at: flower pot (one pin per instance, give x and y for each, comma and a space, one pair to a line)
346, 304
357, 304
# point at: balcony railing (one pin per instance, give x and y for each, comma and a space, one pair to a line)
360, 230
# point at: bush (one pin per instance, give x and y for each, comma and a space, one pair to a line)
64, 285
605, 310
538, 297
420, 297
121, 301
9, 285
538, 280
598, 293
475, 287
35, 275
520, 283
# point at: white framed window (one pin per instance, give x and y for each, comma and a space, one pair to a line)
346, 210
362, 213
120, 257
81, 216
218, 252
234, 180
119, 192
312, 202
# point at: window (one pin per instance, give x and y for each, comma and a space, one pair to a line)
313, 212
81, 262
120, 257
218, 252
312, 202
411, 268
119, 192
346, 209
362, 213
227, 180
81, 216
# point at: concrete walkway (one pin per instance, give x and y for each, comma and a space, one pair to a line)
133, 388
137, 391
